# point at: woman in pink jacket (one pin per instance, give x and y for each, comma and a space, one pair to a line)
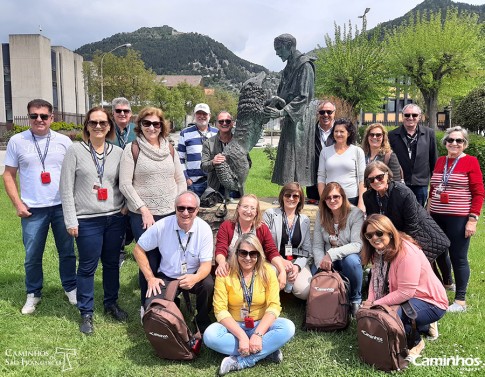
400, 272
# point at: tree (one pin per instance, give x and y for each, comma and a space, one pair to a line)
123, 76
222, 100
439, 53
352, 67
469, 112
171, 101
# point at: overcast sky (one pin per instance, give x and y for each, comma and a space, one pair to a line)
246, 27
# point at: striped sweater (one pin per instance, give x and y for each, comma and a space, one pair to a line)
465, 187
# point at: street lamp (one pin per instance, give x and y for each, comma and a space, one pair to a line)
102, 58
364, 24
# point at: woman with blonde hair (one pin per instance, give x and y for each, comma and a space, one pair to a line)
375, 144
247, 219
247, 308
401, 273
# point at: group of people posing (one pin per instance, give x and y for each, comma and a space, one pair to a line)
373, 209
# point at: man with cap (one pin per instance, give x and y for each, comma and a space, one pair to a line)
190, 148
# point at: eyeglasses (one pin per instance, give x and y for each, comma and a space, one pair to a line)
119, 111
34, 116
374, 135
147, 123
182, 209
94, 123
378, 178
244, 253
328, 112
248, 208
291, 196
369, 235
222, 121
333, 197
458, 141
410, 115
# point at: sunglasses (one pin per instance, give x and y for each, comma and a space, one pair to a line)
369, 235
189, 209
458, 141
244, 254
94, 124
222, 121
42, 116
410, 115
291, 196
328, 112
147, 123
377, 136
378, 178
119, 111
333, 197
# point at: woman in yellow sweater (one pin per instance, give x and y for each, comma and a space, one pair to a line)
247, 307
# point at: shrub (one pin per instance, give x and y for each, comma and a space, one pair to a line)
270, 153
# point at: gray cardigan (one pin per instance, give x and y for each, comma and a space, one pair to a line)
273, 218
348, 237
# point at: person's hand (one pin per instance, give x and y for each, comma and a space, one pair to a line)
154, 286
470, 228
222, 269
147, 218
73, 232
23, 211
282, 279
293, 274
273, 113
366, 304
218, 159
361, 205
326, 263
187, 281
255, 344
189, 182
124, 210
243, 348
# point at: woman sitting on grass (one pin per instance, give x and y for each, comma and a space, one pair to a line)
247, 307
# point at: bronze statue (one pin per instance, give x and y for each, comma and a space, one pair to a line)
294, 103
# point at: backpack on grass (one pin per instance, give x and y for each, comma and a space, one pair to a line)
166, 329
328, 304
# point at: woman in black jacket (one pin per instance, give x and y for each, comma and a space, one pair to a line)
397, 201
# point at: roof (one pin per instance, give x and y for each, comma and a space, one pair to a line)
173, 80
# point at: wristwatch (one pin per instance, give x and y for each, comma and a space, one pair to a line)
473, 216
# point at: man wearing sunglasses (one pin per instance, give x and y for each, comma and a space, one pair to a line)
37, 155
323, 138
415, 148
190, 148
186, 247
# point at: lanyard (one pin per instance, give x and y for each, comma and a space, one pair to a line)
42, 157
289, 231
380, 203
410, 140
207, 135
184, 248
247, 292
122, 136
99, 168
446, 172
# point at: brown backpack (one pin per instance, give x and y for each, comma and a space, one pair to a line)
166, 329
328, 304
381, 338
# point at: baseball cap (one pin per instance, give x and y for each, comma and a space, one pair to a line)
202, 107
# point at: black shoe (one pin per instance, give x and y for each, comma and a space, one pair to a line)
116, 312
86, 324
354, 308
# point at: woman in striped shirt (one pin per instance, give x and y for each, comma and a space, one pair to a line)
456, 198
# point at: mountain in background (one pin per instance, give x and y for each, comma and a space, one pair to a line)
169, 52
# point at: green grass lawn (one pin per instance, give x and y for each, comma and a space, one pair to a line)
28, 344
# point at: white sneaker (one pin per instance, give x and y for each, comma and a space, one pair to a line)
30, 304
456, 308
72, 296
142, 313
228, 364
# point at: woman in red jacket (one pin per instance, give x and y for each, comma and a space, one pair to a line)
247, 219
456, 198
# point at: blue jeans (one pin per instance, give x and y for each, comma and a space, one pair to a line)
351, 268
34, 235
421, 194
198, 187
218, 338
426, 313
99, 237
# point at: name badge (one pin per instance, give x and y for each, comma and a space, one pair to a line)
183, 268
45, 177
244, 312
288, 250
102, 193
444, 198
